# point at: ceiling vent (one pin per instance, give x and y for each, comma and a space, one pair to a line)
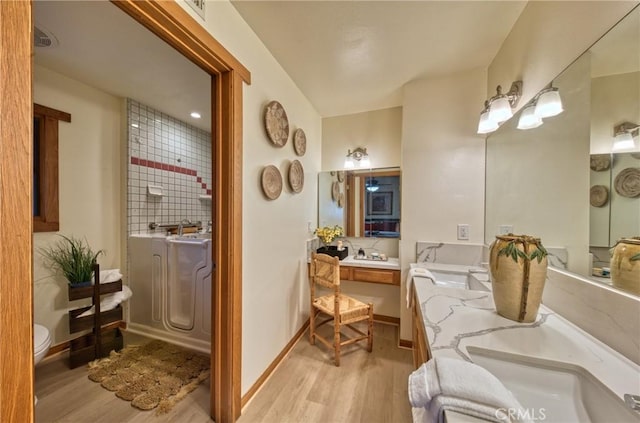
43, 38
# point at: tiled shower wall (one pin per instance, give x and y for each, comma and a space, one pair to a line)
174, 155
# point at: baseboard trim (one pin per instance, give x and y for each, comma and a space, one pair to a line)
386, 319
63, 346
265, 375
405, 343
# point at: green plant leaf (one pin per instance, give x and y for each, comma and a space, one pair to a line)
635, 257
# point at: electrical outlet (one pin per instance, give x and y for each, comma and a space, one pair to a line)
463, 231
506, 229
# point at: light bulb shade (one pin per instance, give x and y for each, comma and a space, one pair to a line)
364, 162
348, 163
623, 141
373, 188
549, 104
528, 118
500, 109
486, 125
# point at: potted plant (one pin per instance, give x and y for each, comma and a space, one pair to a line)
518, 273
327, 234
74, 258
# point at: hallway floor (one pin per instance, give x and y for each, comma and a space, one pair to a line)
306, 387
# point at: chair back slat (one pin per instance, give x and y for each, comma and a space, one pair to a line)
325, 270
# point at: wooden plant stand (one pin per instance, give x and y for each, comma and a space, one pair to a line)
101, 340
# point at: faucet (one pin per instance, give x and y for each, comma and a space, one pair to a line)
181, 226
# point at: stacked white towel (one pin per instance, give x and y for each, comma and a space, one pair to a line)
451, 384
111, 301
110, 275
416, 271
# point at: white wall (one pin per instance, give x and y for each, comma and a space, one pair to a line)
275, 290
547, 37
379, 131
89, 182
442, 164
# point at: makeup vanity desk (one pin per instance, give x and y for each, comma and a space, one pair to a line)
371, 271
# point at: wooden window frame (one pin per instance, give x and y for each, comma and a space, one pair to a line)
48, 220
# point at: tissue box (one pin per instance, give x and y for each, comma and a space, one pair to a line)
332, 250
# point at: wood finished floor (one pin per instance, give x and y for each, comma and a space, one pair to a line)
306, 387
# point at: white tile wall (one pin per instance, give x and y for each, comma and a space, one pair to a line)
170, 153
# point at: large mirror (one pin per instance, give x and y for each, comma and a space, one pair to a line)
366, 203
541, 181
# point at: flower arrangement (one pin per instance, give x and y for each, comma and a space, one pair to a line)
328, 233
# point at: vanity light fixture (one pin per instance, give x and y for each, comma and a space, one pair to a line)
357, 158
486, 125
548, 103
623, 136
528, 118
499, 108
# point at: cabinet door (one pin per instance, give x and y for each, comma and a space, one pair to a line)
421, 352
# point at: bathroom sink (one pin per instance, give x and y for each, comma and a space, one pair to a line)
554, 391
455, 276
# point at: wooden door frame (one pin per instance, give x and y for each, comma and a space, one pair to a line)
175, 26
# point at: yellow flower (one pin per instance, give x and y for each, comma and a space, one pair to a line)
327, 234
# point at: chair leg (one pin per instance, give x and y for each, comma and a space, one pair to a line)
312, 326
370, 329
336, 339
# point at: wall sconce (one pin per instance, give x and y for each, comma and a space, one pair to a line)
548, 103
545, 104
623, 136
499, 108
357, 158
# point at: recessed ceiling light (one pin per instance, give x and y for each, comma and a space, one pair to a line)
195, 115
135, 125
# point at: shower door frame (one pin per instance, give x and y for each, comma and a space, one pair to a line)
169, 21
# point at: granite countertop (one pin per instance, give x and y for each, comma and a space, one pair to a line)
456, 319
391, 263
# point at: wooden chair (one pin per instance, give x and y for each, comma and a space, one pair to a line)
341, 309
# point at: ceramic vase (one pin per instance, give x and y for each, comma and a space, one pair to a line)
625, 265
517, 282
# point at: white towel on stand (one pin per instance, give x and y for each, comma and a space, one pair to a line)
110, 275
110, 301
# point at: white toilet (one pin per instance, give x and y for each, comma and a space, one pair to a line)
41, 342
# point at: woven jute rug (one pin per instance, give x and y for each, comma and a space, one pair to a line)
156, 374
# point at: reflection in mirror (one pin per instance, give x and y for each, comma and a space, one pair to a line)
366, 203
558, 181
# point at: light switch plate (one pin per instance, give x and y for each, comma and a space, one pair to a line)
463, 231
506, 229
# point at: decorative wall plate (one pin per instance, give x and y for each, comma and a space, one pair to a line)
598, 195
341, 176
299, 142
271, 182
276, 123
335, 190
627, 183
600, 162
296, 176
341, 200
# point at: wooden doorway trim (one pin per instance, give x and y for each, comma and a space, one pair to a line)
173, 24
16, 149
